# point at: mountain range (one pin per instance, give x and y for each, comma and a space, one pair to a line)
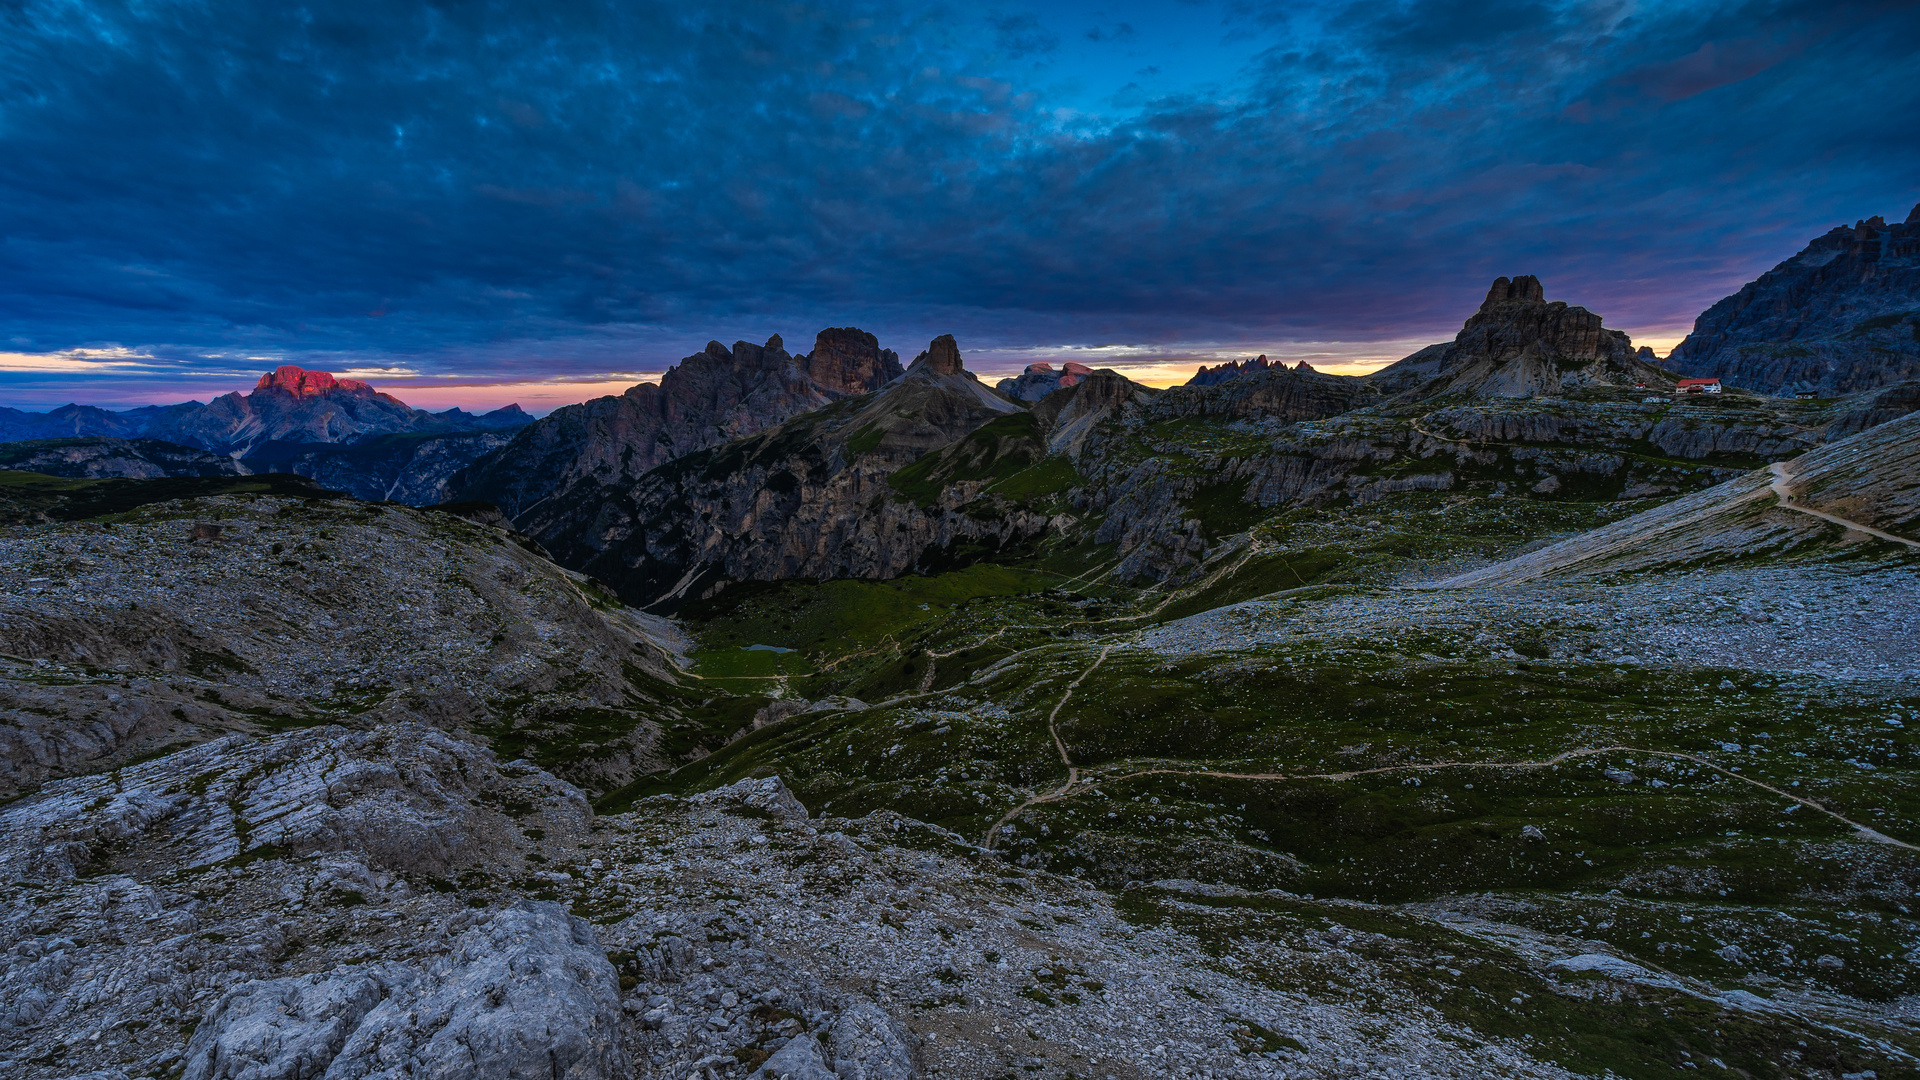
553, 476
288, 404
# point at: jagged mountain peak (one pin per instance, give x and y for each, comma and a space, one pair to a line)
1520, 344
941, 357
553, 478
1233, 369
1524, 289
1840, 317
848, 360
301, 382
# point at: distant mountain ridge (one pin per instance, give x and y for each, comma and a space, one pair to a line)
95, 457
1840, 317
288, 404
1219, 373
1040, 379
824, 495
548, 480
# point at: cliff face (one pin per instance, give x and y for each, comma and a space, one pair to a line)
1840, 317
540, 480
1520, 345
807, 499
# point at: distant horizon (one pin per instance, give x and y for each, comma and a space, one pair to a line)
124, 389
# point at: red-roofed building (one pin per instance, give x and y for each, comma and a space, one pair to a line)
1697, 386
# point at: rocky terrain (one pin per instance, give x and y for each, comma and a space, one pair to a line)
177, 622
1219, 373
812, 498
1531, 397
288, 404
1688, 778
1040, 379
1518, 345
1327, 808
552, 475
345, 904
1842, 316
415, 469
97, 458
1861, 488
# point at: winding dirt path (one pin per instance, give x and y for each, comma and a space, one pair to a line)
1075, 785
1781, 479
1060, 744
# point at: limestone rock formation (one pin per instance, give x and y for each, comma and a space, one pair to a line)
847, 360
1273, 391
1233, 369
726, 934
1840, 317
809, 498
1071, 414
1520, 345
550, 478
1040, 379
97, 457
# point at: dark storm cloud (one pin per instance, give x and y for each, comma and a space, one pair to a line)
404, 178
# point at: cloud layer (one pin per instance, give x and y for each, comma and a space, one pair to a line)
579, 186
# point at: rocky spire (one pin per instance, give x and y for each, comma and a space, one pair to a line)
1525, 289
942, 356
848, 360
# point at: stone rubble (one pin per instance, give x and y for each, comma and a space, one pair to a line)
719, 937
125, 637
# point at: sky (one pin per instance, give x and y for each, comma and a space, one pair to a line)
480, 201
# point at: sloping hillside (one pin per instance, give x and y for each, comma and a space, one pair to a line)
1865, 488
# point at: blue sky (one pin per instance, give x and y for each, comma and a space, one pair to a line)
484, 201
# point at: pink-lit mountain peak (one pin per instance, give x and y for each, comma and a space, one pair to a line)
300, 382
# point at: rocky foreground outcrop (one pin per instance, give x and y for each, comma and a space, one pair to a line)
184, 621
808, 499
550, 478
1842, 316
395, 903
